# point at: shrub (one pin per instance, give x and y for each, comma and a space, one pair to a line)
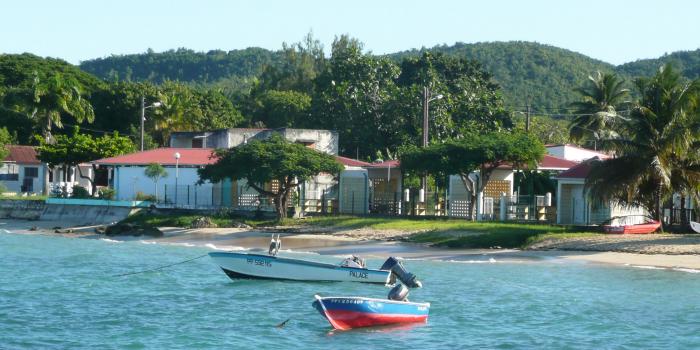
140, 196
80, 192
106, 193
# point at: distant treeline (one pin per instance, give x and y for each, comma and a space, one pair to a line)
542, 75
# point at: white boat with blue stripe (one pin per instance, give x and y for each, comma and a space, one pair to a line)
244, 265
249, 265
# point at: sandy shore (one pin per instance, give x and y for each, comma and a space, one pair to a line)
648, 251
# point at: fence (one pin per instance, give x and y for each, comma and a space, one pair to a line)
506, 208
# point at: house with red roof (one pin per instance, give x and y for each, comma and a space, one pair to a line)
21, 171
574, 207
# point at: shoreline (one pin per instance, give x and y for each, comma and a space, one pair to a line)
368, 243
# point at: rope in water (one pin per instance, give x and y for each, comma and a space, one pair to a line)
159, 267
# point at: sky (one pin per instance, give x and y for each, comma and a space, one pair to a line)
612, 31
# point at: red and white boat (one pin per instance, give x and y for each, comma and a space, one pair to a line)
632, 224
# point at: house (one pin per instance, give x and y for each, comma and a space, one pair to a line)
21, 171
573, 152
574, 207
321, 140
501, 184
180, 187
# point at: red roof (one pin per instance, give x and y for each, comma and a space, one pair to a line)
555, 163
580, 171
163, 156
22, 155
351, 162
388, 164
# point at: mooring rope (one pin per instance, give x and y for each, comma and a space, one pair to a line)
160, 267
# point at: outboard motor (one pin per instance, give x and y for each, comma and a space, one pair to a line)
394, 265
275, 245
398, 293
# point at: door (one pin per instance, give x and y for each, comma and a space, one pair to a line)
578, 205
28, 184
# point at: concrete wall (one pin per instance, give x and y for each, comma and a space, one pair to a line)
129, 180
84, 214
322, 140
572, 153
21, 209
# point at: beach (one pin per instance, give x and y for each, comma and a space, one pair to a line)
653, 251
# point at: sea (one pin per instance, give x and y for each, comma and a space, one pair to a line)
72, 293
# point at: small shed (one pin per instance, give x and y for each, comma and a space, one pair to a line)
574, 207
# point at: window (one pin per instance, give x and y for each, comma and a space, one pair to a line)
31, 172
9, 172
198, 142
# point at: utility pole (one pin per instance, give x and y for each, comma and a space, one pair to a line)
143, 118
527, 117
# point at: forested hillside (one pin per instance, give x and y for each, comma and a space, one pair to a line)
542, 75
687, 62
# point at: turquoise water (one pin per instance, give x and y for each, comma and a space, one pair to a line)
57, 293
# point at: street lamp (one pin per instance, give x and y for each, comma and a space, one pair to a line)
426, 101
143, 114
177, 163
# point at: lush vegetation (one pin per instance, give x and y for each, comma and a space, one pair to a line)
529, 72
262, 162
482, 152
655, 144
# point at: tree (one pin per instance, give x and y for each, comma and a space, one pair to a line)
655, 148
46, 100
601, 96
155, 172
262, 162
283, 108
352, 96
474, 158
72, 150
5, 139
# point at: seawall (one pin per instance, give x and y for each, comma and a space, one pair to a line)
79, 214
21, 209
84, 214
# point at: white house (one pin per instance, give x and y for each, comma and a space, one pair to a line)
21, 171
574, 207
128, 178
573, 152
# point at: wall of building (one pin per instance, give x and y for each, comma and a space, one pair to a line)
130, 180
37, 182
575, 154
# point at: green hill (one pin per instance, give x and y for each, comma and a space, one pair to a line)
542, 75
687, 62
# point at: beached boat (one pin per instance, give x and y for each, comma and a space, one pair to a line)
345, 313
695, 226
248, 265
632, 224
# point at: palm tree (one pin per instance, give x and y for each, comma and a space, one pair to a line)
597, 110
45, 100
655, 147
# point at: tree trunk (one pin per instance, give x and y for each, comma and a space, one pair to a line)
684, 216
47, 137
280, 205
93, 187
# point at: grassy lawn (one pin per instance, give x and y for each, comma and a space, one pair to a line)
24, 198
451, 233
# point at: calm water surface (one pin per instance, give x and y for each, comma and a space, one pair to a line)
57, 293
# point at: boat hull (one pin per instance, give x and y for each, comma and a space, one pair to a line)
345, 313
633, 229
243, 265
